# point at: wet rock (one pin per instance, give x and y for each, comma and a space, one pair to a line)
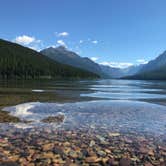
93, 159
108, 151
92, 143
9, 164
67, 162
48, 146
102, 140
114, 134
73, 154
134, 158
14, 158
112, 162
58, 161
151, 152
59, 150
47, 155
143, 150
148, 164
101, 153
54, 119
125, 162
5, 117
66, 144
85, 152
31, 164
128, 140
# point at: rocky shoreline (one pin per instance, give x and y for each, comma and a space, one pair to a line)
54, 147
5, 117
80, 146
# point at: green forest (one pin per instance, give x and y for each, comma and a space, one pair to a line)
158, 74
18, 62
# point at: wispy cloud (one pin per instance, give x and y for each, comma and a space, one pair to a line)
28, 41
62, 43
89, 41
142, 61
81, 41
62, 34
94, 41
94, 59
117, 64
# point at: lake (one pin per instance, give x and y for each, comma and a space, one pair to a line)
121, 101
123, 109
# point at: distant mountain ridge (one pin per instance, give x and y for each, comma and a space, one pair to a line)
64, 56
154, 69
156, 63
119, 72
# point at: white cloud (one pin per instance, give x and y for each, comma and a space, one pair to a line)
94, 58
142, 61
62, 34
34, 48
61, 42
81, 41
117, 64
94, 41
24, 39
29, 41
78, 52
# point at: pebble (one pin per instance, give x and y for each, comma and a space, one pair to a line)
79, 147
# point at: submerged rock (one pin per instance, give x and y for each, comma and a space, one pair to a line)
5, 117
125, 162
54, 119
9, 164
92, 159
114, 134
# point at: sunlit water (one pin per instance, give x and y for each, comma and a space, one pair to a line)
119, 105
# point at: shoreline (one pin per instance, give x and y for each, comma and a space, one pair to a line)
5, 117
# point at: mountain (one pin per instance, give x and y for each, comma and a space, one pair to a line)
155, 64
118, 72
111, 72
18, 62
155, 69
156, 74
62, 55
132, 70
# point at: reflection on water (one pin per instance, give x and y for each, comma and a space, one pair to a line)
112, 121
154, 91
122, 103
128, 90
112, 115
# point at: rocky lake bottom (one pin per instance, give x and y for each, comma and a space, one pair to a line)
85, 133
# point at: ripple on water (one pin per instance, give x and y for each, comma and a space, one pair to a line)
116, 115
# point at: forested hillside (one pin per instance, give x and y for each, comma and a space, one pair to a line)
153, 70
157, 74
18, 62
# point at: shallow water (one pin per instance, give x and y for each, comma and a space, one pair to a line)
114, 121
114, 115
121, 105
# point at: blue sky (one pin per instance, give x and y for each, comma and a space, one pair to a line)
115, 32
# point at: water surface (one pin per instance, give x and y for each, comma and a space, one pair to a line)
122, 105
